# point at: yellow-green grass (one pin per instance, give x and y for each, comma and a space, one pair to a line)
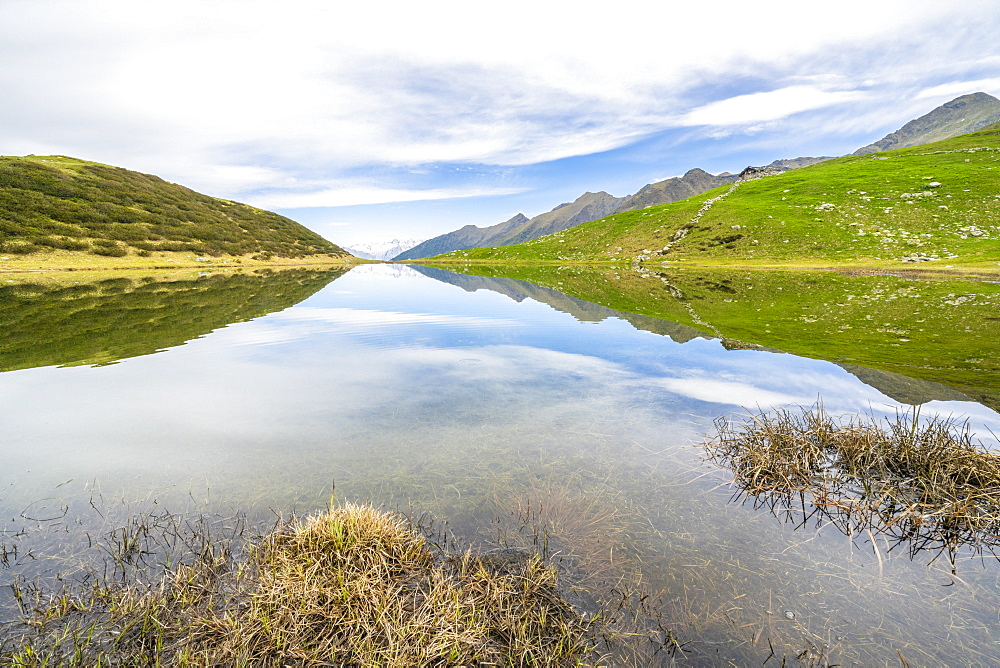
939, 201
58, 203
925, 484
98, 317
54, 260
350, 586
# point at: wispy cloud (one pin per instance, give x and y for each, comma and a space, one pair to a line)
767, 106
369, 318
733, 393
354, 195
252, 99
954, 89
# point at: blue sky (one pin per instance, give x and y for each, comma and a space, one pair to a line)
403, 119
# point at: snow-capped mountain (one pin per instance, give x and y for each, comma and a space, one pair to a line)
384, 250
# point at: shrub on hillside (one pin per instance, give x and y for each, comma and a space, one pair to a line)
109, 248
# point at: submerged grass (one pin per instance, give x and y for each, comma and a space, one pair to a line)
351, 586
927, 484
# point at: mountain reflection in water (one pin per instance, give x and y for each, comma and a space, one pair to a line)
519, 402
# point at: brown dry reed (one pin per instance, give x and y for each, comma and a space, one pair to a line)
922, 483
351, 586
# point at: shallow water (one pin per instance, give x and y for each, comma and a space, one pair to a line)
473, 402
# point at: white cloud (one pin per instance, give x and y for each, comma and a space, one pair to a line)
368, 318
768, 106
353, 195
951, 90
734, 393
232, 96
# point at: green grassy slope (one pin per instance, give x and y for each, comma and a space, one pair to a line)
941, 330
99, 320
862, 209
55, 202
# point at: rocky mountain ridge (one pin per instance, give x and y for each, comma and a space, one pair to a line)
587, 207
962, 115
694, 182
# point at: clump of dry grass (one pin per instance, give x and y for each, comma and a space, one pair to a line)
925, 483
351, 586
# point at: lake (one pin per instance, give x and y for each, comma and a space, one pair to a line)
566, 410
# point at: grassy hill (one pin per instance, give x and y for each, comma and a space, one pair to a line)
937, 203
81, 318
55, 203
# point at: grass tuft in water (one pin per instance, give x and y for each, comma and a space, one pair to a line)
923, 483
351, 586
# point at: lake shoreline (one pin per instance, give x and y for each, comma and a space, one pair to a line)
976, 271
68, 261
59, 261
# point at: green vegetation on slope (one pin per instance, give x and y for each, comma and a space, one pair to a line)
938, 202
100, 320
942, 331
55, 202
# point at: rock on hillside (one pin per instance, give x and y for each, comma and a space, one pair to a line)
962, 115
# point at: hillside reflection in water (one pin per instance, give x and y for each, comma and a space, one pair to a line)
408, 390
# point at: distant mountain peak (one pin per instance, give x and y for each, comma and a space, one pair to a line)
964, 114
585, 208
383, 250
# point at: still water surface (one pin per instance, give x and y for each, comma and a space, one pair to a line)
470, 404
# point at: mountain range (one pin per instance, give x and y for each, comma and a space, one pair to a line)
587, 207
385, 250
929, 203
960, 116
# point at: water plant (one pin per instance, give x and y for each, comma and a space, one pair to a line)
926, 485
354, 585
